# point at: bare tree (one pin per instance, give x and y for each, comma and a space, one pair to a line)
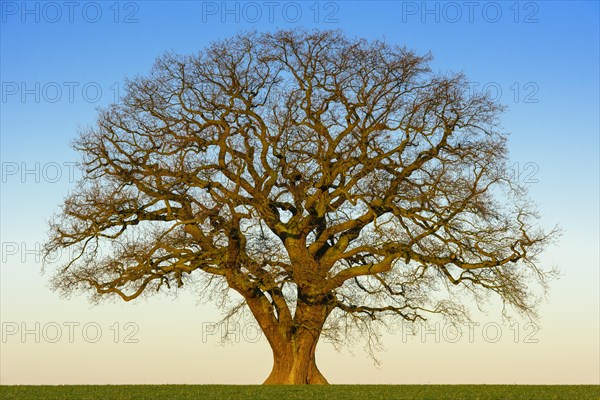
331, 182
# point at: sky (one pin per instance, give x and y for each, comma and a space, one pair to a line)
60, 61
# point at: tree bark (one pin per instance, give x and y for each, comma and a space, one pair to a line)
292, 340
294, 362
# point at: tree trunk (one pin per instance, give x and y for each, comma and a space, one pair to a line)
294, 362
294, 348
293, 340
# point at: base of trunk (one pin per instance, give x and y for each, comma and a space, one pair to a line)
295, 372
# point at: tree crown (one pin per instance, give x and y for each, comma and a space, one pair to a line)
302, 166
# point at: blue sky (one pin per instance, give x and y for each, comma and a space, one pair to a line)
541, 58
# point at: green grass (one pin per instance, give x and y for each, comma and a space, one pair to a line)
345, 392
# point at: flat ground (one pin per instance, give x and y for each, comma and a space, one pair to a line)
345, 392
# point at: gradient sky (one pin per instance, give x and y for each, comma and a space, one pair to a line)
60, 62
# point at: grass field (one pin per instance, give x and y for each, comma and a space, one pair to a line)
345, 392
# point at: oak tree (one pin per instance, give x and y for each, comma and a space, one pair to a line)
331, 182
